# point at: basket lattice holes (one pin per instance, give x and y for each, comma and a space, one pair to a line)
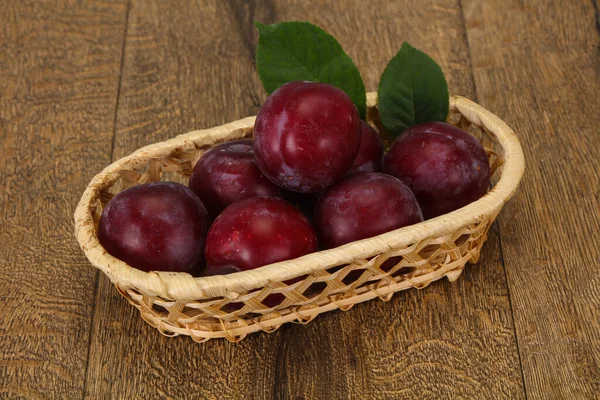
340, 286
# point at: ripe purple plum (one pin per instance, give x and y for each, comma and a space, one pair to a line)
370, 152
156, 227
306, 136
257, 231
445, 167
227, 173
362, 206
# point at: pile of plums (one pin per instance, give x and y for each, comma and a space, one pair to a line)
311, 178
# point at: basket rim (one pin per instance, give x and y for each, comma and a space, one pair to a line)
180, 286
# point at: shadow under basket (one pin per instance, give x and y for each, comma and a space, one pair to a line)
232, 306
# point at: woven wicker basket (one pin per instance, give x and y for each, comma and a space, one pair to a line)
231, 306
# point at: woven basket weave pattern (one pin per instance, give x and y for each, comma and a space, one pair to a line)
232, 306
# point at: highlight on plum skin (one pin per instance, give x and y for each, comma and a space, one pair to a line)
257, 231
444, 166
362, 206
227, 173
306, 136
156, 227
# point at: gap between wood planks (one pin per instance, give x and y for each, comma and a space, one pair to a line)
496, 224
112, 149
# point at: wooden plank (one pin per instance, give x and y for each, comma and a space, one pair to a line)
449, 340
59, 72
189, 67
536, 65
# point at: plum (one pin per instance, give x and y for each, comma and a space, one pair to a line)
445, 167
370, 152
227, 173
362, 206
306, 136
257, 231
156, 227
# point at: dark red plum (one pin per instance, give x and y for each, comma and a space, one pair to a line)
228, 173
362, 206
370, 152
445, 167
257, 231
306, 136
156, 227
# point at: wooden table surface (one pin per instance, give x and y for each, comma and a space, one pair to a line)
83, 83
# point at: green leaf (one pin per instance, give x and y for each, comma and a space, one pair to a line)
291, 51
412, 90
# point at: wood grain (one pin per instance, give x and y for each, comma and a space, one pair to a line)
59, 71
448, 340
536, 65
